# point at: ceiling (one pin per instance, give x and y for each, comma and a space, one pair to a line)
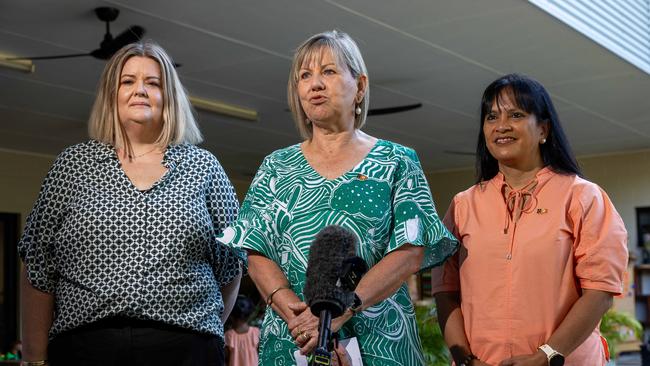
438, 53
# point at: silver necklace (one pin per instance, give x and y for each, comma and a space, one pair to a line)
141, 155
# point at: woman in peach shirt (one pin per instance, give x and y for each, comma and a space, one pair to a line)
543, 250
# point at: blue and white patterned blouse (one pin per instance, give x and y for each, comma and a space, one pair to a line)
104, 248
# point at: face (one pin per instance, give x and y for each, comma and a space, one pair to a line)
139, 96
328, 92
513, 136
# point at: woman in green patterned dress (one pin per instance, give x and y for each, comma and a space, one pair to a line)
339, 175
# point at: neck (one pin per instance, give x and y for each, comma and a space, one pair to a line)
241, 327
145, 133
518, 178
332, 142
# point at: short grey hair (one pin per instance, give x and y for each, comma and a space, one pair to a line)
347, 53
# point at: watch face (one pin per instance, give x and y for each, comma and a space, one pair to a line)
557, 360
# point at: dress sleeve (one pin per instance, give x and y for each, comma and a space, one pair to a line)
600, 244
37, 246
255, 228
446, 277
415, 220
222, 204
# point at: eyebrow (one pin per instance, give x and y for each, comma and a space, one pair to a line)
323, 65
132, 76
497, 110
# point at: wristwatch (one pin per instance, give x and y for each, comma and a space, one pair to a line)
554, 357
467, 361
356, 304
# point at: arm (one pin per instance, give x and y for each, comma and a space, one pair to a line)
578, 324
229, 293
37, 315
452, 324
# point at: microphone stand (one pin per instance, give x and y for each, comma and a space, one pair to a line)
322, 354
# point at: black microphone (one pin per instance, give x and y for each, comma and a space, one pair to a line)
333, 272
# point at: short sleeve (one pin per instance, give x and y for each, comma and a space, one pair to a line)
415, 220
446, 277
37, 246
255, 228
222, 204
600, 244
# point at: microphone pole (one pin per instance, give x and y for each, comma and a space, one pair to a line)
321, 354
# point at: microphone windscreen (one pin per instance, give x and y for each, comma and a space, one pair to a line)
323, 291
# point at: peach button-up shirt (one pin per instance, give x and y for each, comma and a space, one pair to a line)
525, 258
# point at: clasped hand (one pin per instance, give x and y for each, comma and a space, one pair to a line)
304, 326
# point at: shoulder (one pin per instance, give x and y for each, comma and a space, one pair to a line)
194, 152
396, 151
284, 155
82, 152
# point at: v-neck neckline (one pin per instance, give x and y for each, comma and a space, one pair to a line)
312, 169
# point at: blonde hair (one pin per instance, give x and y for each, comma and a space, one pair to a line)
347, 53
178, 122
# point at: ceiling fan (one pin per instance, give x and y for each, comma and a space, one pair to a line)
396, 109
109, 45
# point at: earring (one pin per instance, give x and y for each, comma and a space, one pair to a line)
307, 121
357, 110
543, 141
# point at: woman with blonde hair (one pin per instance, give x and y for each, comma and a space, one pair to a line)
339, 175
121, 262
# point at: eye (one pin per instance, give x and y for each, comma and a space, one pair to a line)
304, 75
518, 115
491, 117
329, 72
126, 81
153, 83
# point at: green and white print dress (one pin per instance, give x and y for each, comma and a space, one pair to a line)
385, 200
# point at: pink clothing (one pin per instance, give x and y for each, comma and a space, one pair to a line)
243, 347
525, 256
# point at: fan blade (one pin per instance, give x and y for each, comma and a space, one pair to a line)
132, 34
389, 110
48, 57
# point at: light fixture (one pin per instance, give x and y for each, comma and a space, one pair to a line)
21, 65
224, 108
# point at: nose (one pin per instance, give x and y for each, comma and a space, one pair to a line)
317, 82
140, 90
503, 123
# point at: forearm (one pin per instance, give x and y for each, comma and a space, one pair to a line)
450, 318
37, 315
268, 277
386, 277
581, 321
229, 294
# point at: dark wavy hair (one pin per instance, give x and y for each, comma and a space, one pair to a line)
243, 308
531, 97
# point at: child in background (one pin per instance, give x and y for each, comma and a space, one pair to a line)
242, 340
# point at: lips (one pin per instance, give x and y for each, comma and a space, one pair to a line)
319, 99
139, 104
504, 140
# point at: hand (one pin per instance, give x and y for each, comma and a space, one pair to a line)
537, 359
479, 363
337, 323
304, 327
340, 356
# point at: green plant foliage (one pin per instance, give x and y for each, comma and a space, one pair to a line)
616, 327
433, 343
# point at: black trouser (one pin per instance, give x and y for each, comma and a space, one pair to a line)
124, 342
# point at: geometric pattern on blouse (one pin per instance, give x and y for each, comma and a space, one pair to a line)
384, 200
104, 248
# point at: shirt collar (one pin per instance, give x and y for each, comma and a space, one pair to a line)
174, 154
